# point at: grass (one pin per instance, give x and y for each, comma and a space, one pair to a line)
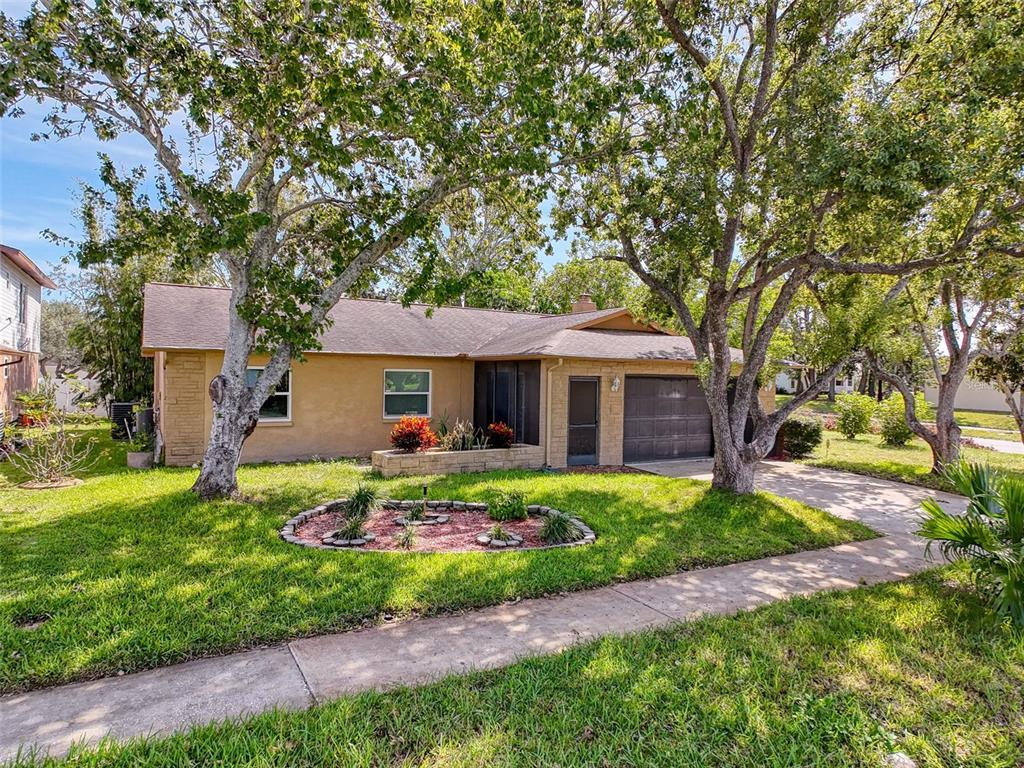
867, 455
131, 571
965, 418
833, 680
990, 433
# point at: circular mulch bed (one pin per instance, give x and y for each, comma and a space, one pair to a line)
460, 532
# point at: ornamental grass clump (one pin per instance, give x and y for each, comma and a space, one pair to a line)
558, 528
509, 504
989, 536
364, 500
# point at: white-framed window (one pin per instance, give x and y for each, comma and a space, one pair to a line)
406, 393
7, 368
278, 406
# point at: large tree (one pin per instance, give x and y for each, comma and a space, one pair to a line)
303, 141
609, 283
1002, 366
776, 151
975, 62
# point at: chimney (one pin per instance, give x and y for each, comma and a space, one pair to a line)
583, 304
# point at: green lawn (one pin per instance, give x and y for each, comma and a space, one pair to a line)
133, 571
834, 680
982, 419
912, 463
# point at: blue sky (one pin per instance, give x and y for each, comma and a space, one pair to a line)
39, 180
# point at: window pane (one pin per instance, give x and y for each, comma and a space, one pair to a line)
405, 405
276, 407
284, 385
407, 381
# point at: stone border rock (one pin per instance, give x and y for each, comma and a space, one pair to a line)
354, 545
513, 540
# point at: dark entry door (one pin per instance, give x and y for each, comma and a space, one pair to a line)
583, 411
667, 417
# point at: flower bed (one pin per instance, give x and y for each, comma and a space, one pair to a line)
438, 462
463, 529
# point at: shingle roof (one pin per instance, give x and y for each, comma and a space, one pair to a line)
26, 265
196, 317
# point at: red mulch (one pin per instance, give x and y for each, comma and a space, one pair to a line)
457, 535
601, 469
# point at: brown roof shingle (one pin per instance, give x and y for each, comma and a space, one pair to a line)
196, 317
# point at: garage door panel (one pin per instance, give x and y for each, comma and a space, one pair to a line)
665, 417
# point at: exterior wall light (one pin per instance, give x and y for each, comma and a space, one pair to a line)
615, 384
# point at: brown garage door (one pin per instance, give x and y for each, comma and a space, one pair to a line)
667, 417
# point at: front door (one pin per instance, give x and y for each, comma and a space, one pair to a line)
582, 421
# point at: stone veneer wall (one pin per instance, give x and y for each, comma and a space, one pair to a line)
181, 397
611, 405
433, 462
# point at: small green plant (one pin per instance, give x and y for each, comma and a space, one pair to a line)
855, 412
509, 504
364, 500
559, 529
141, 442
351, 528
499, 533
893, 418
406, 538
801, 437
989, 535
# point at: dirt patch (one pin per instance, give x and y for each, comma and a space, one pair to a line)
29, 623
457, 535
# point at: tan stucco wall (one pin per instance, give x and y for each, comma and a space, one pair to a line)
337, 405
611, 405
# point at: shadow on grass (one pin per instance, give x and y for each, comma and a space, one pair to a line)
833, 680
134, 571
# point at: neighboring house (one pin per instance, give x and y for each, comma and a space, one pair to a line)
973, 395
591, 387
71, 386
21, 284
788, 381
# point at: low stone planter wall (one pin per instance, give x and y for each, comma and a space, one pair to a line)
436, 462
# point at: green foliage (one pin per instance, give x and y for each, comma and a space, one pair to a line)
58, 319
406, 538
854, 414
351, 527
141, 442
802, 436
989, 536
559, 529
892, 418
461, 436
364, 500
508, 504
499, 533
609, 283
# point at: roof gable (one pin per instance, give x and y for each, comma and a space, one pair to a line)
26, 265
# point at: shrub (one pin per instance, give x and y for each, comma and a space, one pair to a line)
499, 533
893, 418
141, 442
413, 433
559, 529
801, 437
855, 412
509, 504
989, 536
53, 454
501, 435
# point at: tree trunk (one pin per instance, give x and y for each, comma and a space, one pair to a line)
233, 421
235, 406
832, 390
946, 447
731, 471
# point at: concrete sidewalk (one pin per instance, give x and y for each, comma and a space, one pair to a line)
312, 670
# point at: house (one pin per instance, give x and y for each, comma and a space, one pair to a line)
972, 395
21, 284
590, 387
791, 378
